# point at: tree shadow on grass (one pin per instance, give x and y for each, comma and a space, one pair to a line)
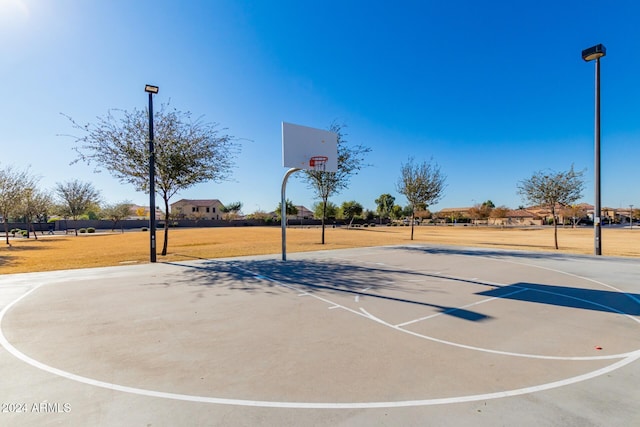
10, 255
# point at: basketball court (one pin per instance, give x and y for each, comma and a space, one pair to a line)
402, 335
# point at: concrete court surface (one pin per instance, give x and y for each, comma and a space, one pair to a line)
402, 335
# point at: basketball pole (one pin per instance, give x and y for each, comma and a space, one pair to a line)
283, 210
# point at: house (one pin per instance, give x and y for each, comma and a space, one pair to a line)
520, 217
197, 209
303, 213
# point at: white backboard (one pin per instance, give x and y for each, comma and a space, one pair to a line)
300, 143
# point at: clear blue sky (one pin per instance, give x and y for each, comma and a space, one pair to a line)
492, 91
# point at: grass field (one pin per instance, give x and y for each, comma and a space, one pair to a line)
108, 249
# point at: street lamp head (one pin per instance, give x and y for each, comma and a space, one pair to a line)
151, 89
595, 52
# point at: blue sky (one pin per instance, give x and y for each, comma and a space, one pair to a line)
491, 91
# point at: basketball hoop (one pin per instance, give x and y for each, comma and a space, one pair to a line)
318, 163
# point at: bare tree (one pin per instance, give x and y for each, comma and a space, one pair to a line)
553, 190
575, 212
327, 184
422, 184
34, 204
117, 212
481, 211
13, 183
499, 213
187, 152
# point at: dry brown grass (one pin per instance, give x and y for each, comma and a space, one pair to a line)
107, 249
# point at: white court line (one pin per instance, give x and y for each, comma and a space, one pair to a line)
632, 357
513, 354
451, 310
357, 298
367, 315
626, 359
630, 296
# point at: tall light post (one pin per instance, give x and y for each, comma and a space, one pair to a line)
152, 177
596, 52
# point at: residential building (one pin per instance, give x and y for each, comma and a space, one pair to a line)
303, 213
197, 209
519, 217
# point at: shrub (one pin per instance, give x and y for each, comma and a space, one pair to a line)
91, 230
82, 230
145, 229
24, 233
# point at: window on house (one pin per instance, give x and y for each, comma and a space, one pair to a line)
193, 209
207, 209
214, 209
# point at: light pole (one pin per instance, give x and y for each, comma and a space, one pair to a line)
152, 177
596, 52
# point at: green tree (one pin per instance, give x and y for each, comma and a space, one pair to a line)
327, 184
422, 184
369, 215
93, 212
350, 210
187, 151
396, 212
407, 211
328, 210
553, 190
117, 212
290, 209
76, 198
231, 210
384, 204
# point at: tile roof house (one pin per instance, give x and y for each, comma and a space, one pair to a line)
522, 217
